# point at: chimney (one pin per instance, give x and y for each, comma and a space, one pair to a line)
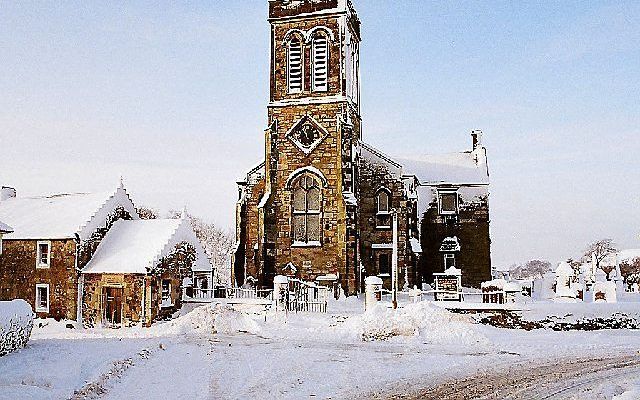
7, 193
476, 138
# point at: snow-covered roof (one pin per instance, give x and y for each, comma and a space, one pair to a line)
61, 216
375, 156
468, 167
4, 228
137, 246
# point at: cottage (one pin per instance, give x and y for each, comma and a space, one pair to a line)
136, 274
53, 238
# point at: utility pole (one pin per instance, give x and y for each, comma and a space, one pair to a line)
394, 260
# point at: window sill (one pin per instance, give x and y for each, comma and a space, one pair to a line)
384, 275
383, 227
43, 310
307, 244
43, 266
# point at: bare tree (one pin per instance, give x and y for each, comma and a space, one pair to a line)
599, 250
147, 213
531, 269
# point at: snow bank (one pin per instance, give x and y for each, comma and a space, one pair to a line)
431, 323
16, 322
211, 319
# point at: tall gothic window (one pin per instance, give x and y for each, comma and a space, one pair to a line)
294, 65
383, 214
307, 198
320, 73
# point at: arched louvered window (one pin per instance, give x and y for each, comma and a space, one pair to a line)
307, 198
294, 65
320, 73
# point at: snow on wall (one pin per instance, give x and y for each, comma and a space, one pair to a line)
16, 323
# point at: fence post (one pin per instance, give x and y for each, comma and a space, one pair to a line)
280, 287
373, 285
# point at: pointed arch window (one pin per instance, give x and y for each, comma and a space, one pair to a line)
383, 214
294, 65
307, 200
320, 72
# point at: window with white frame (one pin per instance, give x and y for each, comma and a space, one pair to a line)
0, 243
294, 65
449, 260
43, 256
42, 297
307, 200
448, 202
320, 73
383, 212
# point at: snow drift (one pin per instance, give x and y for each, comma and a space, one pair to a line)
210, 319
16, 323
431, 323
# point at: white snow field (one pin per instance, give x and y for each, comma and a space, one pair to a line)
218, 352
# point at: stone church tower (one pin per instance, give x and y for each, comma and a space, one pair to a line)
304, 217
320, 205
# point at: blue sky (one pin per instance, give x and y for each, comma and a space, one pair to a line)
173, 97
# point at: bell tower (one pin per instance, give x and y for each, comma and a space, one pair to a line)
308, 212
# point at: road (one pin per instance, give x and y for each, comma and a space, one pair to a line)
560, 379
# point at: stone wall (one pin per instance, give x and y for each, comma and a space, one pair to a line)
19, 276
471, 226
372, 178
132, 296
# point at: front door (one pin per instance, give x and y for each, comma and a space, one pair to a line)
112, 305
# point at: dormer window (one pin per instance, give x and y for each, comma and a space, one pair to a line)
294, 65
320, 73
448, 202
383, 214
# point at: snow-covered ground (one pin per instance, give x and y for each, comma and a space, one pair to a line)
215, 352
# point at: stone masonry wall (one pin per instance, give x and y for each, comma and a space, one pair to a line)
19, 276
372, 178
471, 226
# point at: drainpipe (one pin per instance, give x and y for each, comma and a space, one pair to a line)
80, 281
144, 300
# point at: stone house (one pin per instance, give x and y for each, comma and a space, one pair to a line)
136, 274
55, 237
323, 200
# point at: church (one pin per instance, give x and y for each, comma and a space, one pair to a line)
323, 204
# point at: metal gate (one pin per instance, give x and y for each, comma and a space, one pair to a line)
305, 296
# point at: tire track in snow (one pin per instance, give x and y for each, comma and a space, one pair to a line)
529, 381
100, 386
